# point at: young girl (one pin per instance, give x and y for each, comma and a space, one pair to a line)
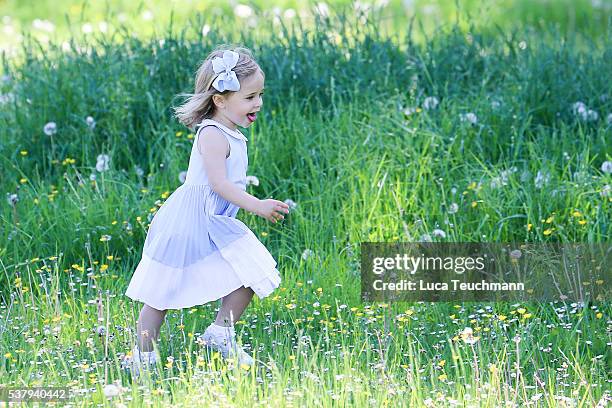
196, 251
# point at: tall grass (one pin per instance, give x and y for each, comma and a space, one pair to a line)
346, 133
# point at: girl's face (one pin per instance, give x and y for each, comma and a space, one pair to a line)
240, 108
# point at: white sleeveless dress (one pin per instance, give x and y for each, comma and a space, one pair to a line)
196, 251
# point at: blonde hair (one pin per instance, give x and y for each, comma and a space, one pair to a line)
200, 105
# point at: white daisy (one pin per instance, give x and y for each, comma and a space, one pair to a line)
50, 128
252, 180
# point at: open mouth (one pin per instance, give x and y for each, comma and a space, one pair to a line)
252, 116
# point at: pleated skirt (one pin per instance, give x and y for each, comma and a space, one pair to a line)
197, 251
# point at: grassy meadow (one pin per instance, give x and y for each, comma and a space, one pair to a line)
477, 124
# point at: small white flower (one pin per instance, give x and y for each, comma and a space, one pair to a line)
252, 180
409, 111
12, 199
469, 117
425, 238
6, 98
111, 390
495, 104
431, 102
92, 176
102, 162
322, 9
87, 28
579, 109
182, 176
139, 171
525, 176
292, 204
205, 30
453, 208
438, 233
243, 11
50, 129
90, 122
542, 178
496, 182
609, 119
101, 330
605, 190
147, 15
307, 254
467, 335
606, 167
289, 13
515, 254
105, 238
591, 115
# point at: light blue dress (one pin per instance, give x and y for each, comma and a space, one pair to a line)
196, 250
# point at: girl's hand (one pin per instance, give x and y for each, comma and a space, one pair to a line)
271, 209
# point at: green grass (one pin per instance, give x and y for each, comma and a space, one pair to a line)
336, 136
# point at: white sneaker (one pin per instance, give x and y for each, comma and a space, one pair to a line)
224, 341
138, 361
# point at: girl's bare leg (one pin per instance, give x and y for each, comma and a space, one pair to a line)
148, 325
233, 306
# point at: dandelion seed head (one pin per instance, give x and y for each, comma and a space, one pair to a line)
90, 122
252, 180
243, 11
469, 117
50, 128
431, 102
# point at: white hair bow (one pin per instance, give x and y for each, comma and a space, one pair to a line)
227, 79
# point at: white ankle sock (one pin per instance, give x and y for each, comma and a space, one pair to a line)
222, 329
